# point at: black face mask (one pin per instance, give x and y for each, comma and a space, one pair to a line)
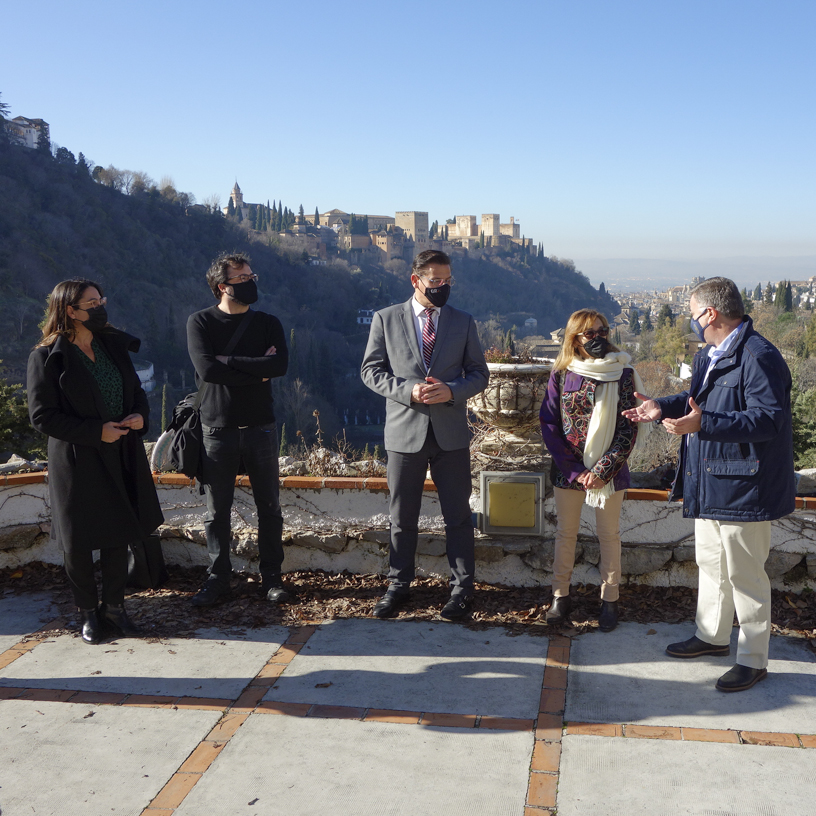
97, 319
597, 347
439, 295
246, 292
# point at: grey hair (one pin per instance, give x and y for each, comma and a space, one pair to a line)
721, 294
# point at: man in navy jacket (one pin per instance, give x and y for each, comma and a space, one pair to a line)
735, 475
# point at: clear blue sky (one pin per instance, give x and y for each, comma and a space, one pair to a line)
651, 129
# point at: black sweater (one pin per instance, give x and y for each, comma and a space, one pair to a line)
236, 394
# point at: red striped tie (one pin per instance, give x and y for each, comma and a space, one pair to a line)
428, 337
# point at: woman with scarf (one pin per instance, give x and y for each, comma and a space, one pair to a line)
85, 395
589, 441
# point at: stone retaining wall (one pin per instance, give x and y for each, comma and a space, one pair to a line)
340, 524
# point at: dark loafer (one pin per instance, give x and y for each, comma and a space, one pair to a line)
115, 619
388, 605
694, 647
740, 678
457, 606
91, 628
559, 610
608, 619
210, 593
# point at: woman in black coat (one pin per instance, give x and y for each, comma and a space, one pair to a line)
84, 393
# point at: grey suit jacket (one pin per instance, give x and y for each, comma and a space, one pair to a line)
393, 365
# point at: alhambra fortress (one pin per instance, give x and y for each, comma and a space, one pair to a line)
384, 238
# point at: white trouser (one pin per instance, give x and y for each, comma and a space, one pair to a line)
731, 560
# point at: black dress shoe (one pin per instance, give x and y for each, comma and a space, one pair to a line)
608, 619
91, 628
457, 606
559, 610
278, 594
740, 678
115, 619
694, 647
388, 605
210, 593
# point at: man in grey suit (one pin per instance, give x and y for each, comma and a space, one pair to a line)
424, 357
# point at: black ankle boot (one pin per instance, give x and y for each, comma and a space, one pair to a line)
115, 618
559, 610
91, 628
608, 619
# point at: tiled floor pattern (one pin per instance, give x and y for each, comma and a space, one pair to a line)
548, 727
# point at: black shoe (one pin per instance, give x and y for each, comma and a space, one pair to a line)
559, 610
91, 628
388, 605
740, 678
211, 592
694, 647
457, 606
275, 592
608, 619
115, 619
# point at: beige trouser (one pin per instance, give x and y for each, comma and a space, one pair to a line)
732, 576
568, 505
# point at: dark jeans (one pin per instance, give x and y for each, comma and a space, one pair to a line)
450, 471
79, 568
224, 450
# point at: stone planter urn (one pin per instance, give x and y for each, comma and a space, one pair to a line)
509, 408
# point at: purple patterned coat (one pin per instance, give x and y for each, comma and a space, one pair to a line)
565, 415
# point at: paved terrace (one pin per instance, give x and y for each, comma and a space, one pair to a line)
358, 716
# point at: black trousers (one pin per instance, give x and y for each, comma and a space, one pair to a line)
450, 471
79, 567
224, 449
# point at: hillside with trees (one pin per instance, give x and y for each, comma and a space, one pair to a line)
149, 246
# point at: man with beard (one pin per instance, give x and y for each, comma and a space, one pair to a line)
236, 352
424, 357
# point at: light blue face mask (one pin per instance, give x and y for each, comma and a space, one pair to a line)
697, 328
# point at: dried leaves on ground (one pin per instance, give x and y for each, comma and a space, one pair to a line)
167, 612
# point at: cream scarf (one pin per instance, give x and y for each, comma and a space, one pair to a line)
607, 371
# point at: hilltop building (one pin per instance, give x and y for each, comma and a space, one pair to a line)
27, 131
415, 225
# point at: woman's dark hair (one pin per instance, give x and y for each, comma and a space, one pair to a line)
57, 323
221, 268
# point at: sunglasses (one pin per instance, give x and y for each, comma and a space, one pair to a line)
591, 334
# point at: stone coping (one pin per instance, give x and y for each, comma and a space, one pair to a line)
375, 483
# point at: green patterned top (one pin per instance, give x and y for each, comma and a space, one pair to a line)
107, 376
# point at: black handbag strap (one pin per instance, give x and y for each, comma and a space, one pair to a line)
236, 336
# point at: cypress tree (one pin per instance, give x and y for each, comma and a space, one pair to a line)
779, 297
231, 208
769, 293
788, 297
758, 292
316, 218
634, 322
284, 442
294, 362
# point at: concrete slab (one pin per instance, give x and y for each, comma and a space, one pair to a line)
663, 778
209, 665
60, 759
21, 615
412, 666
313, 767
625, 676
